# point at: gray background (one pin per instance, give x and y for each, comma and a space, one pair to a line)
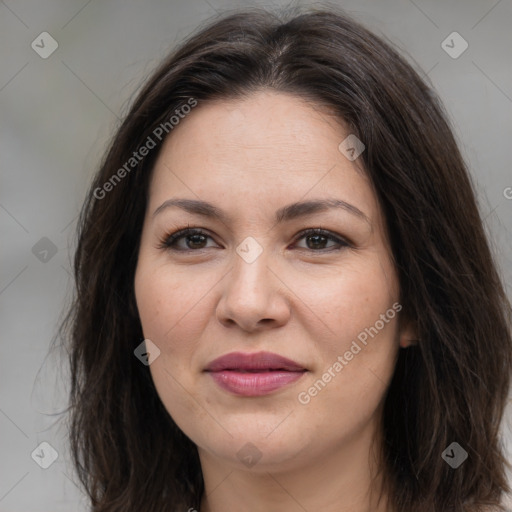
57, 115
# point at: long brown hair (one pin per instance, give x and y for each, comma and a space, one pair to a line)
451, 387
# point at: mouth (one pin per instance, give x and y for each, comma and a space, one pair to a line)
255, 374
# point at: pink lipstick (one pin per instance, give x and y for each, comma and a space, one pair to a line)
254, 374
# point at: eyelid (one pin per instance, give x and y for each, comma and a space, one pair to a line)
166, 242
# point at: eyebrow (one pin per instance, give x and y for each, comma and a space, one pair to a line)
284, 214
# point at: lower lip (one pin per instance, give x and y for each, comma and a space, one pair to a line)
254, 384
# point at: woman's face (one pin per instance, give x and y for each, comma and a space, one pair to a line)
254, 283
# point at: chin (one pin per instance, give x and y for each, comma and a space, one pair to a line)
260, 450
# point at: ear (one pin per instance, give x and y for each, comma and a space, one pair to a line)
408, 334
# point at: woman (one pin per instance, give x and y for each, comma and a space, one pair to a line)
285, 297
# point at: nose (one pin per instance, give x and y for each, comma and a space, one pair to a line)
254, 297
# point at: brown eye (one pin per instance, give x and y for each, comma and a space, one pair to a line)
316, 240
195, 239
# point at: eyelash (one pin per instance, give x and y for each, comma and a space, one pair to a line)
169, 240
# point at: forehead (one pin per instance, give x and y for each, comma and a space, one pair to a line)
259, 151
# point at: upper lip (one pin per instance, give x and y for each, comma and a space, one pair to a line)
254, 361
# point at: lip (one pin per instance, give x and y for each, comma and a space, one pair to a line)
254, 374
253, 362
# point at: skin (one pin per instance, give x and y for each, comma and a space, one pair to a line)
300, 298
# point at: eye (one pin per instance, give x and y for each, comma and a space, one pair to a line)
318, 237
195, 239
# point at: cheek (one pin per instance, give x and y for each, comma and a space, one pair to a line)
347, 388
166, 308
358, 353
173, 309
165, 299
350, 301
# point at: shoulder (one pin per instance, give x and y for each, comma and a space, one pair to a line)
506, 504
